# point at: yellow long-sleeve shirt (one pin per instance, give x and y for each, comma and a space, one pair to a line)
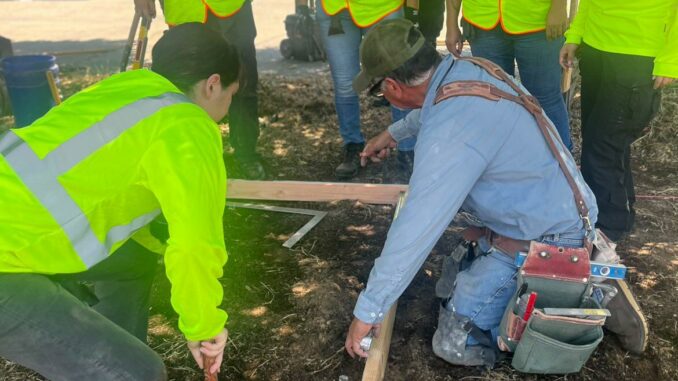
645, 28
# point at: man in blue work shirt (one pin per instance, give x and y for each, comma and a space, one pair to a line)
487, 158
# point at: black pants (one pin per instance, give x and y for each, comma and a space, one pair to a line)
240, 30
617, 105
431, 18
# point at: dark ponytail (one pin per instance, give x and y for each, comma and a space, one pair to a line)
189, 53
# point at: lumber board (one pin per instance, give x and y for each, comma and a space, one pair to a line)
375, 366
314, 191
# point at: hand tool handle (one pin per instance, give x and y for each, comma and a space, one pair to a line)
207, 362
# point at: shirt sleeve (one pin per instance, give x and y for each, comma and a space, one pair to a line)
575, 32
445, 172
666, 62
185, 171
406, 127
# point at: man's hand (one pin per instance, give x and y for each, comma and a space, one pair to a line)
356, 332
145, 7
556, 21
454, 40
377, 148
660, 82
212, 348
567, 55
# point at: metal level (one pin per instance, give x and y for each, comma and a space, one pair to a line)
601, 270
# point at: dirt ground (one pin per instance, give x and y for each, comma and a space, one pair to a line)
289, 309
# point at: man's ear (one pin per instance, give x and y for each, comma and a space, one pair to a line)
392, 86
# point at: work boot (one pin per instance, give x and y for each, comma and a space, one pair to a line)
252, 170
349, 167
627, 320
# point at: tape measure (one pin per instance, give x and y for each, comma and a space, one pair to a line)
601, 270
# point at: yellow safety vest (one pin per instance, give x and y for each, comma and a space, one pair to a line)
183, 11
94, 171
646, 28
365, 13
514, 16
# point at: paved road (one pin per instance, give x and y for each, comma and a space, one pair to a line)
71, 28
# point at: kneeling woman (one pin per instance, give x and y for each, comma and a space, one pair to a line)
81, 187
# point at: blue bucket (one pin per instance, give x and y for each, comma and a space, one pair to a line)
28, 87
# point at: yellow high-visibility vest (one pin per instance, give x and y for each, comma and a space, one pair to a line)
183, 11
365, 13
514, 16
94, 171
646, 28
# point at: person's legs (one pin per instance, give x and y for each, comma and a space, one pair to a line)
45, 328
431, 19
481, 295
494, 45
540, 73
623, 108
244, 113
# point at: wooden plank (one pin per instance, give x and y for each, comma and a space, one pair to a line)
314, 191
375, 367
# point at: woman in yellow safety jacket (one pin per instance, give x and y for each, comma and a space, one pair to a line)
79, 189
627, 51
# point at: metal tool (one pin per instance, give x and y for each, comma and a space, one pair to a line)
366, 342
141, 42
577, 311
603, 293
601, 270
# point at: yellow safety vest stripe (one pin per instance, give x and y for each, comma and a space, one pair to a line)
364, 13
183, 11
514, 16
93, 171
645, 28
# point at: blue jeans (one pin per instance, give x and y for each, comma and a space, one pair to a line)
538, 65
484, 289
343, 54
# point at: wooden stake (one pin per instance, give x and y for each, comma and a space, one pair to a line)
378, 353
53, 87
314, 191
207, 363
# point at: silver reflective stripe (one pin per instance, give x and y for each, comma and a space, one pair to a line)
118, 233
41, 176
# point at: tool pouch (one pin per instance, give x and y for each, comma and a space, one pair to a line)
546, 343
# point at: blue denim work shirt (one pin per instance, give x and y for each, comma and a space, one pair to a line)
485, 157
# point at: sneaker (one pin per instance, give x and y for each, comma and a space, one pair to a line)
351, 164
627, 320
252, 170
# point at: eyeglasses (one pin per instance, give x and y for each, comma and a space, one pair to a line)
375, 90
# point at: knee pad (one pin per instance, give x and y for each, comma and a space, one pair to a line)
449, 342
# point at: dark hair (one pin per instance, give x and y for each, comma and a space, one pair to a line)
191, 52
426, 58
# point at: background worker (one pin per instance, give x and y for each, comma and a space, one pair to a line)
623, 62
486, 157
428, 15
343, 23
234, 19
80, 186
529, 32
